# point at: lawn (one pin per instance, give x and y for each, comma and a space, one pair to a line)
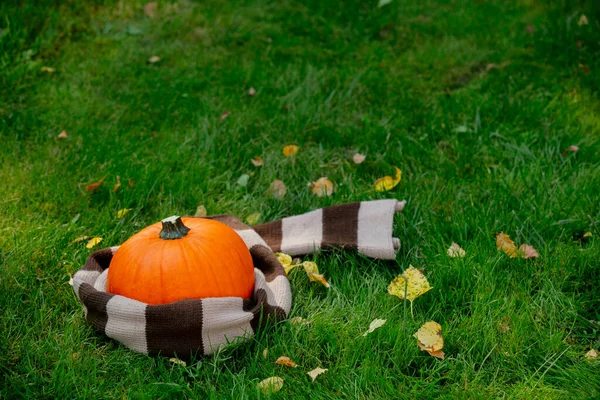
476, 102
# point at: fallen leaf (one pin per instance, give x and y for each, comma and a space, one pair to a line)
200, 211
290, 150
461, 129
296, 321
93, 242
312, 270
117, 185
253, 218
63, 135
131, 183
582, 20
154, 59
257, 161
251, 91
383, 3
70, 280
277, 189
376, 323
410, 285
243, 180
225, 115
122, 212
316, 372
358, 158
265, 353
286, 361
271, 385
526, 251
150, 9
429, 338
591, 355
94, 186
177, 361
49, 70
387, 182
455, 251
286, 261
322, 187
79, 239
571, 149
504, 243
587, 234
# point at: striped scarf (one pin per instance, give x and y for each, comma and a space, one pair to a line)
191, 326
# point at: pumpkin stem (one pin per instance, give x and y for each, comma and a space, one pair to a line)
173, 228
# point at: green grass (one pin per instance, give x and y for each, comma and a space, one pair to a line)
408, 85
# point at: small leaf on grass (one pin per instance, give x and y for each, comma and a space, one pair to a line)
265, 353
154, 59
177, 361
322, 187
49, 70
316, 372
410, 285
591, 355
70, 280
79, 239
251, 92
243, 180
376, 323
257, 161
253, 218
150, 9
383, 3
290, 150
117, 185
526, 251
277, 190
63, 135
358, 158
312, 270
93, 242
286, 261
94, 186
200, 211
122, 212
271, 385
455, 251
571, 149
461, 129
225, 115
387, 182
505, 243
286, 361
582, 20
296, 321
429, 338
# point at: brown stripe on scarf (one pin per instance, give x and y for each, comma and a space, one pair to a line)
264, 313
267, 262
340, 226
272, 233
175, 328
98, 260
230, 221
95, 302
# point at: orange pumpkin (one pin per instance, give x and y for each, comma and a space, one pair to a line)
178, 259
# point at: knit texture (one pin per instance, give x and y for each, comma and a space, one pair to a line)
202, 326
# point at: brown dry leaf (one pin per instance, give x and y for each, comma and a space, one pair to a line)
117, 185
177, 361
526, 251
429, 338
505, 243
277, 189
257, 161
316, 372
79, 239
63, 135
49, 70
93, 242
358, 158
290, 150
271, 385
283, 360
251, 92
322, 187
94, 186
200, 211
131, 182
455, 251
150, 9
253, 218
582, 20
591, 355
312, 270
154, 59
225, 115
121, 213
387, 182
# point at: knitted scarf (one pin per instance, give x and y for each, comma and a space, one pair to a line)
191, 326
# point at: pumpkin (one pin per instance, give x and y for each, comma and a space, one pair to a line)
176, 259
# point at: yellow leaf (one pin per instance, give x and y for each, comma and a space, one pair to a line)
178, 361
154, 59
387, 182
297, 321
277, 189
410, 285
271, 385
290, 150
322, 187
257, 161
48, 69
358, 158
265, 353
70, 280
253, 218
316, 372
504, 243
122, 212
587, 234
251, 92
376, 323
591, 355
312, 270
200, 211
456, 251
286, 361
429, 338
526, 251
286, 261
93, 242
582, 20
63, 135
79, 239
